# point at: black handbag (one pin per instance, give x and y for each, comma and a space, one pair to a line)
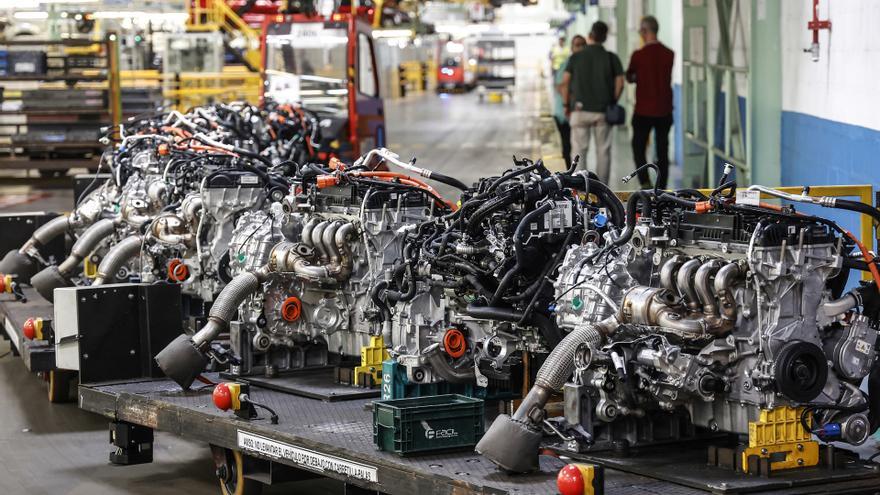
615, 114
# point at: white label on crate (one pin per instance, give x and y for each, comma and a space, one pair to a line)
748, 198
306, 458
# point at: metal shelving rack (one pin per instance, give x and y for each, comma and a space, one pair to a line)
82, 76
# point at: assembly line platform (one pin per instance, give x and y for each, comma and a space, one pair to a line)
38, 355
335, 439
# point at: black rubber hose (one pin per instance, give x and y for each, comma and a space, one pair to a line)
857, 206
602, 191
541, 281
473, 224
521, 261
548, 327
632, 206
377, 300
510, 175
694, 193
395, 296
493, 313
679, 201
731, 185
449, 181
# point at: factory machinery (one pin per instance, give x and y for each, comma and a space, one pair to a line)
178, 183
679, 316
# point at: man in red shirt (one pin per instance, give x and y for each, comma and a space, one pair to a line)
650, 67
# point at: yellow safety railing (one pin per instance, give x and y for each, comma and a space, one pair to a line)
414, 76
189, 89
864, 193
216, 15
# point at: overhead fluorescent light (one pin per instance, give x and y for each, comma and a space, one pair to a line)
31, 15
392, 33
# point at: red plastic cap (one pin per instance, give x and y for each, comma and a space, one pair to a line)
29, 329
222, 397
570, 481
2, 283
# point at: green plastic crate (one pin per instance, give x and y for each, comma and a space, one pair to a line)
427, 424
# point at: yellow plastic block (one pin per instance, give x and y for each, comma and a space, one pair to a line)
778, 431
371, 360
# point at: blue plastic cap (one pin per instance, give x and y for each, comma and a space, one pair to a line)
600, 220
831, 430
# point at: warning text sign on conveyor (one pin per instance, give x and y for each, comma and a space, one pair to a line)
305, 458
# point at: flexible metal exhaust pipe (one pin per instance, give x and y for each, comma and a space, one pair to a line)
53, 277
512, 442
185, 357
19, 262
117, 256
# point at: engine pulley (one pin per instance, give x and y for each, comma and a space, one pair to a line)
801, 371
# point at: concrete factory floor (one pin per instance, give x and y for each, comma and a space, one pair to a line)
59, 449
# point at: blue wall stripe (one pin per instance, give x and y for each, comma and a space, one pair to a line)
817, 151
822, 151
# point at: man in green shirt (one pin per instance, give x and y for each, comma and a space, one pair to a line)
593, 80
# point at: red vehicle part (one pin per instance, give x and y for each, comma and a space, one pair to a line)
449, 76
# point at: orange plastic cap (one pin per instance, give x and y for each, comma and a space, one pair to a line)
326, 181
703, 207
291, 308
177, 270
454, 343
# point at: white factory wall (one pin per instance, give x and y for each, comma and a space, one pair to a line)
831, 111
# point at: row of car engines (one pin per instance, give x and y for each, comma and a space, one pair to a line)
676, 307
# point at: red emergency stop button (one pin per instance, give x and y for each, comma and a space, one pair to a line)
222, 397
226, 396
580, 479
31, 328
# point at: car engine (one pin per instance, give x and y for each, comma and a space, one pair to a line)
703, 313
471, 295
304, 271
